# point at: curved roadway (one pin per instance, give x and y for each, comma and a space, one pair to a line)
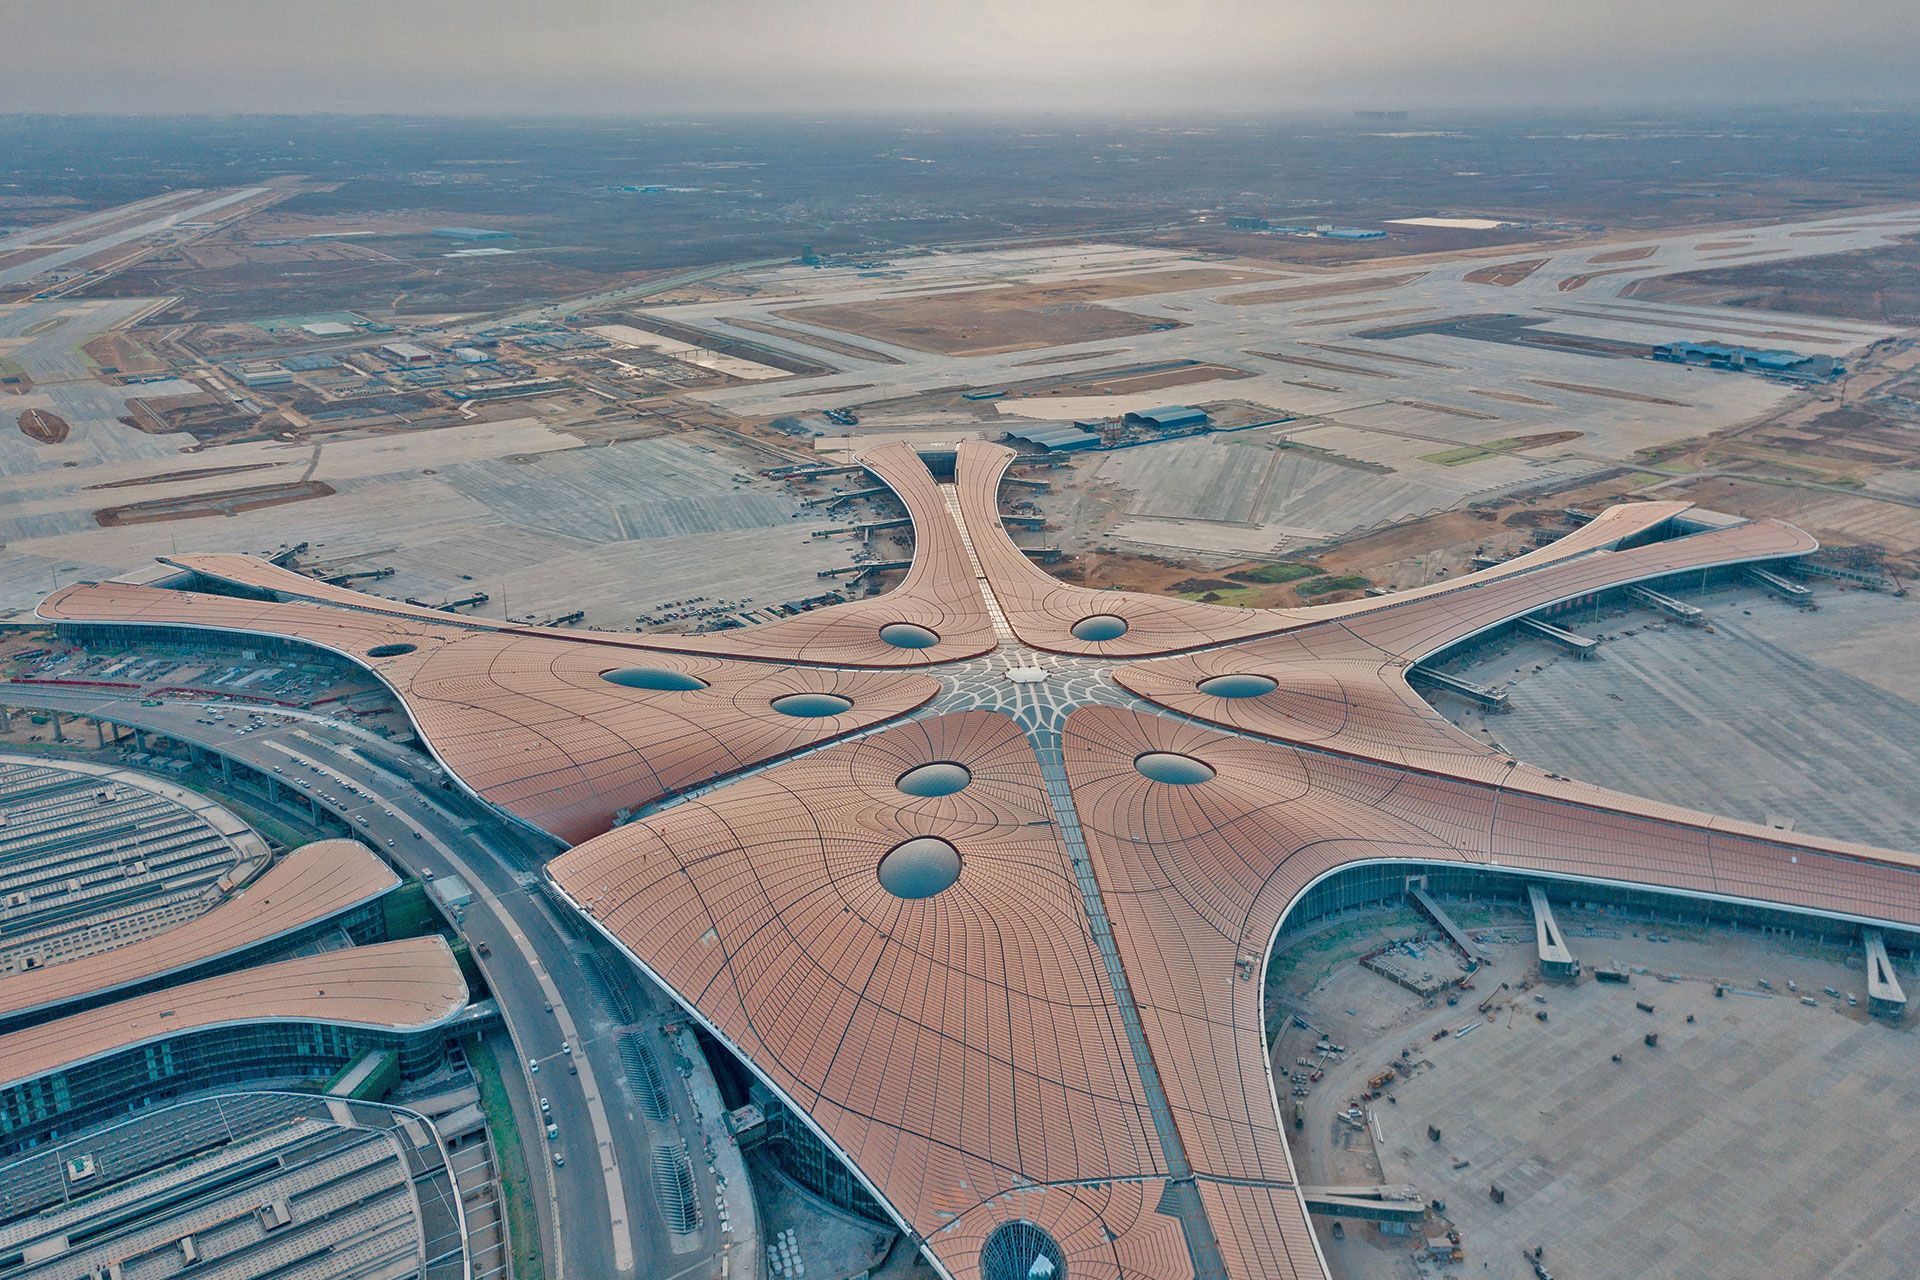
598, 1213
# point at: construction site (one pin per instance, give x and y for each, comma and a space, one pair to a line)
1608, 1061
1504, 614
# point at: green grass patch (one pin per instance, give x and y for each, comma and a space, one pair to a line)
1641, 479
516, 1182
1248, 596
1474, 452
1324, 586
410, 912
1271, 573
273, 828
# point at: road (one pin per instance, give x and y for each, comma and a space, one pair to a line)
599, 1212
67, 253
633, 293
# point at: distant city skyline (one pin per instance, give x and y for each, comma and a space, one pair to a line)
825, 56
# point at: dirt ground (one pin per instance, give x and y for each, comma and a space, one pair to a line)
813, 340
123, 353
1840, 463
978, 322
1611, 393
1322, 289
1623, 255
959, 325
1881, 285
1158, 380
43, 427
224, 502
1508, 274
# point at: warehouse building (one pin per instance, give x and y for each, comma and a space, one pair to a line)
1169, 417
272, 376
1789, 366
1055, 437
406, 353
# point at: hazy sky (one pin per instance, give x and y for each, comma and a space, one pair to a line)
1144, 56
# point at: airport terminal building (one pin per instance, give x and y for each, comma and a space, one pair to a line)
979, 876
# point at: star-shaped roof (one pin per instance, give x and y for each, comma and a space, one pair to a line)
1023, 986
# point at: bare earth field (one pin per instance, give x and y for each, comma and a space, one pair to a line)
1322, 289
992, 321
1881, 285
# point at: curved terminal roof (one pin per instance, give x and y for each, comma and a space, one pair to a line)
1198, 878
411, 985
1069, 1033
937, 593
526, 721
1042, 610
314, 883
959, 1048
1341, 683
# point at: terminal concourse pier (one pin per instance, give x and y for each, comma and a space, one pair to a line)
979, 876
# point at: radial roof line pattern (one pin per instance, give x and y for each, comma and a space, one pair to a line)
1341, 685
1044, 612
1198, 878
529, 722
1006, 958
961, 1048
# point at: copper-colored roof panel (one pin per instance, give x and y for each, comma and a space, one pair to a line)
957, 1046
411, 985
313, 883
1341, 685
937, 593
1043, 611
1196, 878
528, 721
895, 930
1414, 628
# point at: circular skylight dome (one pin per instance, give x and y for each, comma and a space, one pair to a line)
653, 678
941, 778
1019, 1250
1100, 626
920, 867
1238, 684
1172, 767
811, 706
908, 635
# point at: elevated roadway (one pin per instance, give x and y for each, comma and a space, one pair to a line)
598, 1211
